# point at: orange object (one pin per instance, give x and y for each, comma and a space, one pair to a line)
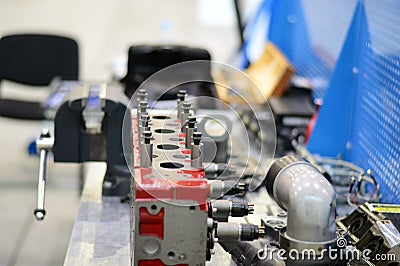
270, 76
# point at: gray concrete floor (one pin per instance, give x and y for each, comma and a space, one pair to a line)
104, 30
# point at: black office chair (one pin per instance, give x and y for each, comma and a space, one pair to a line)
35, 59
145, 60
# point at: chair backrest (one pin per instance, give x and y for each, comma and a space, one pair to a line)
35, 59
145, 60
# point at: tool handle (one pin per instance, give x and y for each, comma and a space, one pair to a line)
40, 212
44, 144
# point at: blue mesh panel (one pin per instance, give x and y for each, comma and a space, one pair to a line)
327, 24
362, 122
376, 128
360, 119
289, 30
287, 24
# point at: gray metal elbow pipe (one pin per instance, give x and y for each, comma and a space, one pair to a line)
309, 199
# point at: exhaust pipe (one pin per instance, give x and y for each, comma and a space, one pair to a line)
309, 199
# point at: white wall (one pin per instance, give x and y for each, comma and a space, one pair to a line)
106, 28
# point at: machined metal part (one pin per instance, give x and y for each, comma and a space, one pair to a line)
216, 169
185, 114
374, 228
238, 188
223, 209
44, 144
220, 188
93, 105
144, 121
273, 226
309, 253
171, 221
309, 199
303, 152
146, 150
236, 231
216, 131
181, 98
184, 238
247, 254
142, 95
189, 129
93, 120
304, 192
196, 151
141, 108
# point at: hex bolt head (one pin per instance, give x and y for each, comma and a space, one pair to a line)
147, 137
142, 93
191, 122
197, 137
181, 95
144, 120
186, 107
142, 106
145, 117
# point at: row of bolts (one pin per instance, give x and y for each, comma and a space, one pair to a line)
188, 126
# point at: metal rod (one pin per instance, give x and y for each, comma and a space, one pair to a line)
146, 150
44, 144
196, 151
181, 98
40, 211
185, 114
189, 129
239, 22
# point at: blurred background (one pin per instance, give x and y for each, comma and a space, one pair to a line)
343, 54
104, 31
